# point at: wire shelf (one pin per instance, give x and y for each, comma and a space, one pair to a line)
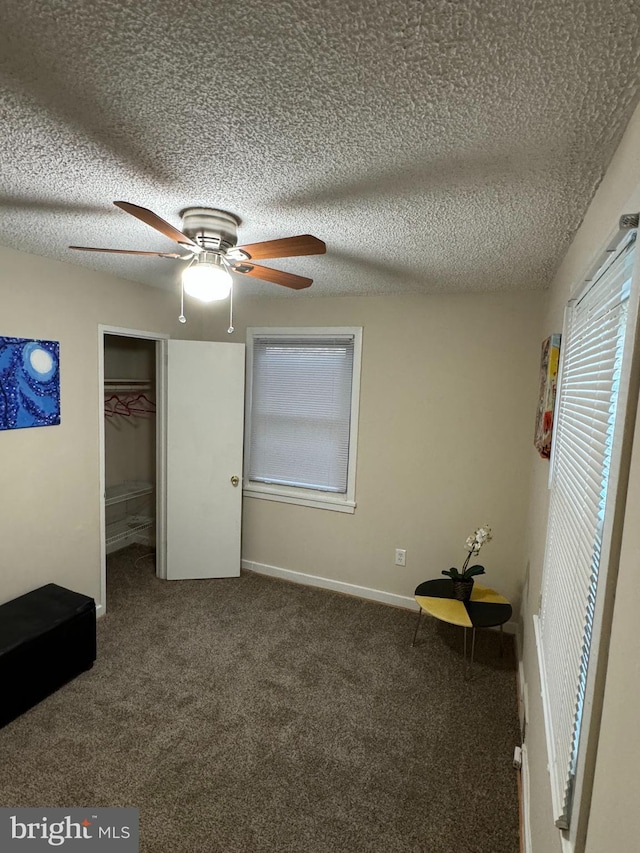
126, 492
117, 531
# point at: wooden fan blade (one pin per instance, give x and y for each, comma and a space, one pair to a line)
128, 252
287, 247
152, 219
297, 282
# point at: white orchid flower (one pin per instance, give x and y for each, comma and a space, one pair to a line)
473, 544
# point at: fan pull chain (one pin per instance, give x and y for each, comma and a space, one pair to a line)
230, 330
182, 318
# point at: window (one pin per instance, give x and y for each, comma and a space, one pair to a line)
302, 415
587, 488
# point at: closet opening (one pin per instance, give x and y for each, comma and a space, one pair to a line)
132, 448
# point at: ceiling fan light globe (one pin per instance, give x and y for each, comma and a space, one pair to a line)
207, 282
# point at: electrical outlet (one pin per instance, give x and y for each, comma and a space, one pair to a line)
401, 556
517, 758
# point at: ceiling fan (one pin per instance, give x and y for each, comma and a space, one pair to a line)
208, 241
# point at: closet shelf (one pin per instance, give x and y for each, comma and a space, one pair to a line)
127, 385
126, 491
119, 530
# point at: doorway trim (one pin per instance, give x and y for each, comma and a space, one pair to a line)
161, 447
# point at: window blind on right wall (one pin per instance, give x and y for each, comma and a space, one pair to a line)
585, 462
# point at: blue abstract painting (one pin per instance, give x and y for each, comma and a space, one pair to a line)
29, 383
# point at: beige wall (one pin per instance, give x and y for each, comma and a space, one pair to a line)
447, 405
49, 497
129, 358
615, 819
447, 410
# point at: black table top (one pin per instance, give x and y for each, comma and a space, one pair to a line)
485, 609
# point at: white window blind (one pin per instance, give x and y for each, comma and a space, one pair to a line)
586, 430
301, 411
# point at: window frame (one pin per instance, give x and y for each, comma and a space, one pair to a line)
573, 836
338, 502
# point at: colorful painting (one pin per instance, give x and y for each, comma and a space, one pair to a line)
29, 383
548, 382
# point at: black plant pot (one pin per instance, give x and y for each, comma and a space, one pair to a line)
462, 589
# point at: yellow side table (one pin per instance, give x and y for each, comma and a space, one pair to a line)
485, 609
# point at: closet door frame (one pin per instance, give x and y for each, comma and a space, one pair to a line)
161, 447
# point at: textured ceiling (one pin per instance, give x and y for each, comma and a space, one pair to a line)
451, 145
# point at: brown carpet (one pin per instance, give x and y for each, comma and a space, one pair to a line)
256, 715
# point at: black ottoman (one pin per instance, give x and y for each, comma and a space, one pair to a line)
47, 637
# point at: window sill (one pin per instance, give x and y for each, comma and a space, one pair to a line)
315, 500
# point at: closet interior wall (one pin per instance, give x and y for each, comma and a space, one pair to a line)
130, 441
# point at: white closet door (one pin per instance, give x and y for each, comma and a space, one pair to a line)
205, 415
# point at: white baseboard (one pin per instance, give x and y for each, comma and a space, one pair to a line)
99, 610
518, 634
524, 694
405, 601
526, 815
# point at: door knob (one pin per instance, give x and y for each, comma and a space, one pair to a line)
235, 480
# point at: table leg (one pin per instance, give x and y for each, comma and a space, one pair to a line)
473, 648
466, 662
415, 633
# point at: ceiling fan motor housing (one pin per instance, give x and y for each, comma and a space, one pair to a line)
209, 228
